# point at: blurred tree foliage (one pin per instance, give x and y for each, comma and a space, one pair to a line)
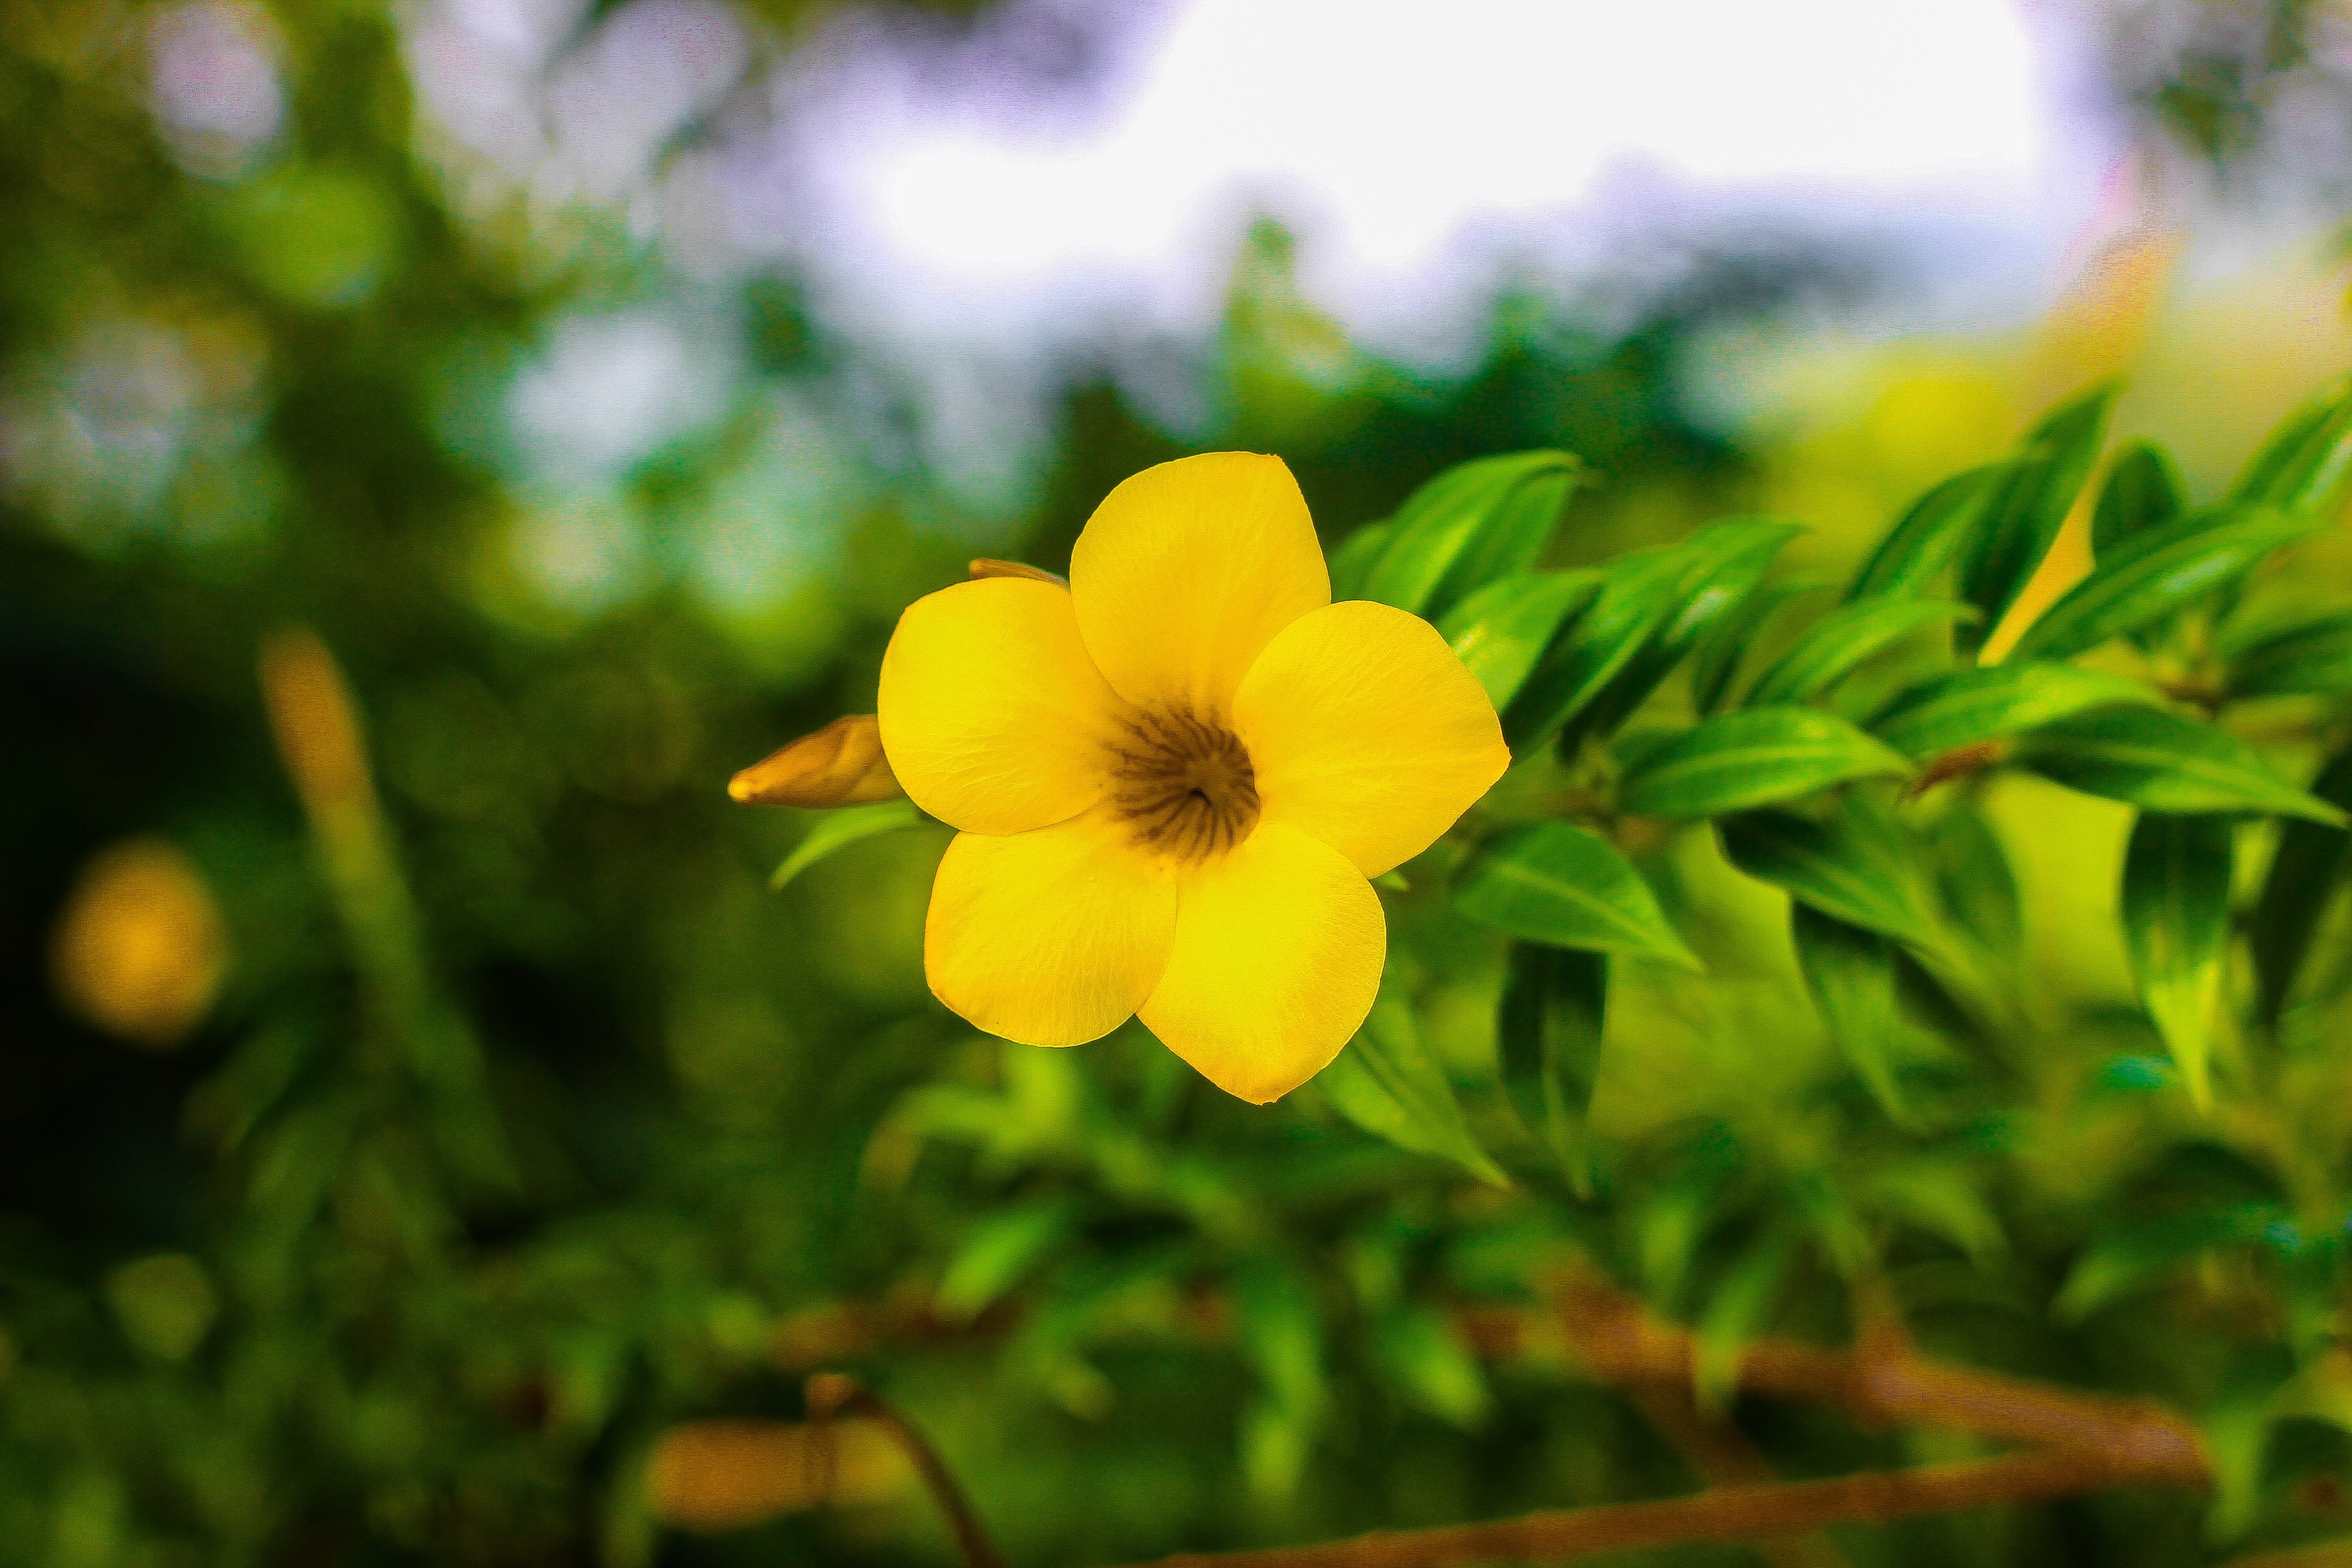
2259, 91
442, 1111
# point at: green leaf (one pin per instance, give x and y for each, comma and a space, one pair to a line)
1427, 1359
1387, 1083
1281, 1335
2142, 492
1567, 886
2237, 1438
1002, 1249
2161, 761
1969, 706
1856, 865
2152, 576
1281, 1339
1721, 564
1839, 641
1353, 561
1850, 973
2321, 1390
1942, 1196
1740, 1306
1753, 757
1923, 540
1459, 526
2304, 871
838, 829
1638, 594
1548, 1035
2127, 1258
2309, 658
1715, 662
2306, 459
2028, 504
2175, 911
1973, 875
1500, 631
1514, 537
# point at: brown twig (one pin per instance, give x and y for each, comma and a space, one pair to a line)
831, 1395
1722, 1456
2335, 1553
1730, 1514
1618, 1342
2079, 1442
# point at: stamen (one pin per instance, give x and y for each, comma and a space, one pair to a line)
1183, 783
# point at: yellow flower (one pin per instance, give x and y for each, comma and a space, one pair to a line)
1175, 776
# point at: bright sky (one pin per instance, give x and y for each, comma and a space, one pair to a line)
1392, 130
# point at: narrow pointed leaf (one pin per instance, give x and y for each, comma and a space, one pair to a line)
2175, 912
839, 830
1850, 973
1548, 1035
1739, 1310
2029, 504
2311, 659
2305, 870
1513, 536
1423, 1353
1500, 631
2306, 459
1000, 1251
2152, 576
1854, 864
1457, 526
1842, 639
1555, 883
2129, 1257
1716, 660
2142, 492
1923, 540
1354, 559
1721, 564
1973, 876
1637, 596
1969, 706
1752, 758
2161, 761
1386, 1082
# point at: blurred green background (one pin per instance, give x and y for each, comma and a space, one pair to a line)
394, 1182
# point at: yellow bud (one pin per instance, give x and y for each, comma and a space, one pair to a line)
316, 724
139, 950
724, 1475
841, 765
983, 567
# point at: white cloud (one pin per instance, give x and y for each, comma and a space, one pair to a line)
1398, 132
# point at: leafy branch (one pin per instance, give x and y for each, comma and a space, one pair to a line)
2074, 1443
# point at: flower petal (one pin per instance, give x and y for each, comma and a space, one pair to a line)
992, 716
1366, 731
1278, 952
1050, 938
1187, 570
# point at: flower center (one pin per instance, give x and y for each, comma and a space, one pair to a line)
1183, 783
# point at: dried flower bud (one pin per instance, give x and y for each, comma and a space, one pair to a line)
841, 765
724, 1475
1956, 763
317, 726
983, 567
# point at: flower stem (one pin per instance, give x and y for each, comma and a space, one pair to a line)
830, 1394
